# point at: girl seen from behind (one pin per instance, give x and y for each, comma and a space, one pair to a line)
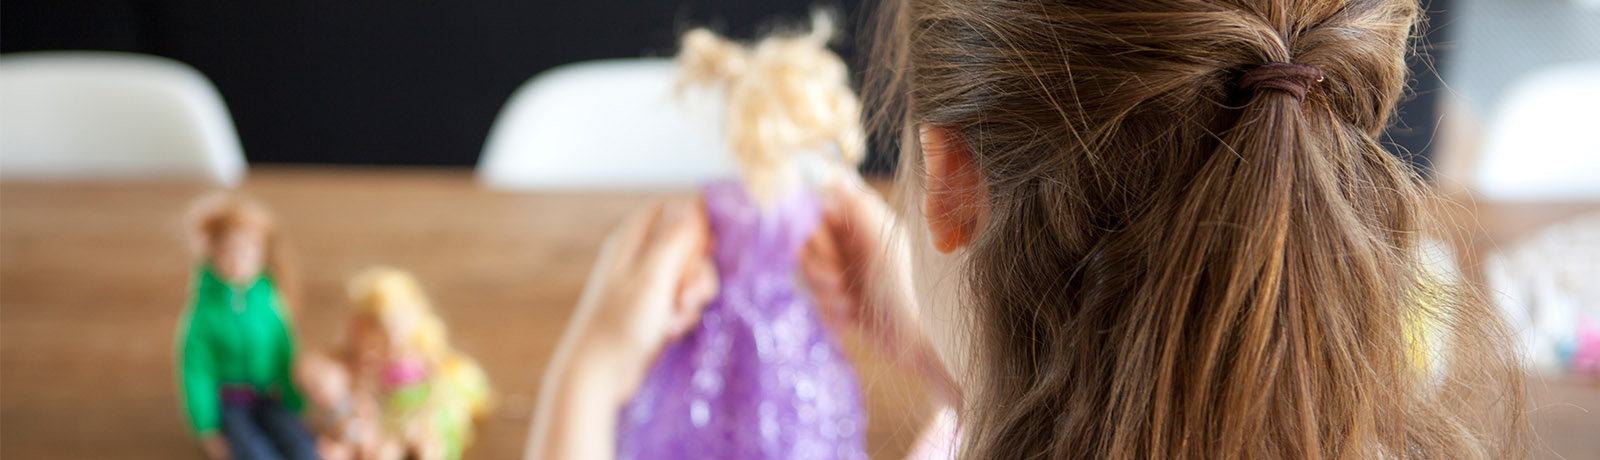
1131, 229
1181, 237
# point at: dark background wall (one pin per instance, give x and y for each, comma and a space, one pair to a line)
380, 81
415, 82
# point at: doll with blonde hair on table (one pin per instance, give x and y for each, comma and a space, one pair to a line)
399, 353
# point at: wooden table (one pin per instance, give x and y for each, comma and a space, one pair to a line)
93, 277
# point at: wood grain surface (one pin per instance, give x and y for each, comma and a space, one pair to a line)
93, 277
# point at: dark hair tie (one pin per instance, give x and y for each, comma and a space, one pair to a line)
1295, 79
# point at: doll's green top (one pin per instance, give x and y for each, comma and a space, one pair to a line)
233, 335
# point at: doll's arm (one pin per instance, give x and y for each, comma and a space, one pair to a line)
197, 377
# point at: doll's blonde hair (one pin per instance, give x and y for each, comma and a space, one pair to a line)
785, 95
393, 298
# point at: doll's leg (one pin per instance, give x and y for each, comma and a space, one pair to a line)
286, 432
245, 439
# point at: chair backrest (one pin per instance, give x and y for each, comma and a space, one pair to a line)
1544, 141
606, 125
103, 115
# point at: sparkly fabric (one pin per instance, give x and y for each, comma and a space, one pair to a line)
760, 377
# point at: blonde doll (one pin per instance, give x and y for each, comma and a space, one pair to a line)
428, 393
762, 358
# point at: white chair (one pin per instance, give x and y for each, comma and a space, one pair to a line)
616, 124
99, 115
1543, 144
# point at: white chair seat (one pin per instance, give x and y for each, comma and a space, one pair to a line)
102, 115
606, 125
1542, 144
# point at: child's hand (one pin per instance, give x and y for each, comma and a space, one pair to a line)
856, 268
651, 281
648, 286
844, 262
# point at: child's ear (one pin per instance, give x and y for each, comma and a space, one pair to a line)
957, 201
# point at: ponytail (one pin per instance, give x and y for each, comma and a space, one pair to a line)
1190, 251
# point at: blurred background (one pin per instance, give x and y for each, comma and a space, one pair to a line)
375, 82
486, 146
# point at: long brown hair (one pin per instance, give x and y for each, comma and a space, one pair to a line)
1172, 267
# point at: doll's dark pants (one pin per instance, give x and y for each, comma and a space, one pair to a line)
265, 430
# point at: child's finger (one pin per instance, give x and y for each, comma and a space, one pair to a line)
700, 288
822, 246
823, 277
624, 242
857, 217
820, 259
835, 303
677, 243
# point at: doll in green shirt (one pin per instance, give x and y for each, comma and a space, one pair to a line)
235, 341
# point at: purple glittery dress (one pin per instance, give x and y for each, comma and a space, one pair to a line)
760, 377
